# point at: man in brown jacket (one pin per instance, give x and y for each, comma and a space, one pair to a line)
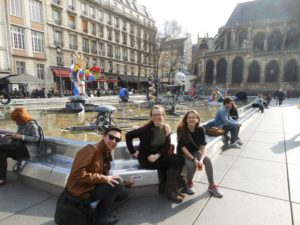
90, 179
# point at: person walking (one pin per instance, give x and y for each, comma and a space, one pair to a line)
191, 144
155, 143
23, 143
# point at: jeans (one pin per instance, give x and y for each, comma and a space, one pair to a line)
107, 194
11, 150
189, 168
234, 131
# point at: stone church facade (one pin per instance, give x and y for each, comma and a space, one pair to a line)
258, 50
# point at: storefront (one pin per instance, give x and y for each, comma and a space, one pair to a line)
62, 78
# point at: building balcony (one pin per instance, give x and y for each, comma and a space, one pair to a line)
71, 7
58, 22
94, 51
72, 46
58, 43
85, 49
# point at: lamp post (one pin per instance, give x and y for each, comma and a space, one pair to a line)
126, 76
59, 63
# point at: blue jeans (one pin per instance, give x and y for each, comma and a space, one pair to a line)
234, 131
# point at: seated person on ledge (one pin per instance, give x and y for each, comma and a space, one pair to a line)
224, 121
259, 103
23, 144
90, 180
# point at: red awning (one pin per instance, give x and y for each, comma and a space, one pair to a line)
61, 73
111, 80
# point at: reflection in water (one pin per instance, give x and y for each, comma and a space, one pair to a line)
127, 116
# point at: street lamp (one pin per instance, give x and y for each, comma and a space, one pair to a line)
59, 63
125, 60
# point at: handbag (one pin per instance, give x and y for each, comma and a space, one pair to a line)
215, 131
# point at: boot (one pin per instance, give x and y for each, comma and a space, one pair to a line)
162, 180
170, 185
176, 189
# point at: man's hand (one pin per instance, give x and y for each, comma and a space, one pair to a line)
136, 154
112, 180
153, 158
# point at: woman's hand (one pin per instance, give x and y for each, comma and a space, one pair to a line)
136, 154
198, 164
152, 158
16, 136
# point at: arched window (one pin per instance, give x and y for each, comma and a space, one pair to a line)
221, 71
209, 75
291, 71
203, 45
272, 70
274, 41
258, 43
237, 70
292, 39
196, 69
253, 73
242, 39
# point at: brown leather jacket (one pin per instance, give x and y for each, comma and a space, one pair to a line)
90, 167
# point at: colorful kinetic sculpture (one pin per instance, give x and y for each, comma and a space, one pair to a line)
218, 95
80, 75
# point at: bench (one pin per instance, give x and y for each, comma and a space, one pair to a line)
50, 171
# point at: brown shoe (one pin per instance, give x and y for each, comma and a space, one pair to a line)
2, 182
177, 192
174, 197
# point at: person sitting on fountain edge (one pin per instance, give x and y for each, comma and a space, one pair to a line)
124, 95
90, 180
224, 121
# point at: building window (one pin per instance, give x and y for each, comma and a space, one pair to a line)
221, 71
20, 67
40, 71
36, 11
237, 70
108, 19
109, 51
58, 38
100, 15
274, 41
101, 49
253, 73
73, 42
291, 71
109, 34
272, 71
71, 5
92, 12
85, 45
84, 9
94, 62
18, 37
102, 64
101, 31
94, 47
93, 26
15, 8
56, 17
72, 22
37, 41
209, 74
84, 26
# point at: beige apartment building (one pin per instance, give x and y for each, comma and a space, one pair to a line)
257, 50
40, 37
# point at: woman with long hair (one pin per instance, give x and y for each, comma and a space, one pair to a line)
191, 144
153, 152
23, 144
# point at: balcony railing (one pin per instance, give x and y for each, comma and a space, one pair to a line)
72, 46
58, 43
71, 7
58, 22
85, 49
57, 2
94, 50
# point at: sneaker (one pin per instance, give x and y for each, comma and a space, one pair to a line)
215, 191
239, 142
190, 188
234, 145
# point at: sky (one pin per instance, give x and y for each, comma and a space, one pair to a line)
195, 16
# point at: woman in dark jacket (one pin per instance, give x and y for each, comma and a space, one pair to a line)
155, 143
24, 143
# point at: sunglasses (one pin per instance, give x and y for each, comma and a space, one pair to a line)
112, 137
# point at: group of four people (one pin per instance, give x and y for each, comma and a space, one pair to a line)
90, 179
